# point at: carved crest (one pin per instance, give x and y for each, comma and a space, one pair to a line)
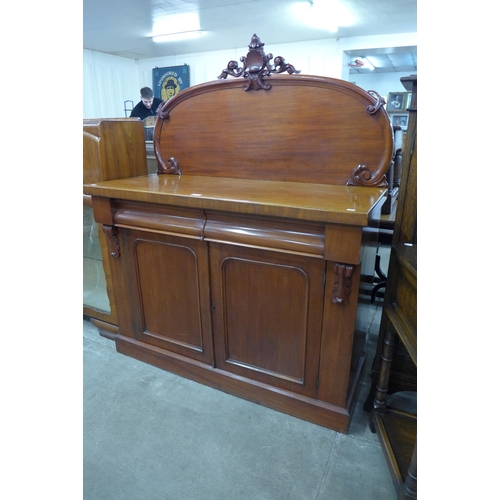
256, 66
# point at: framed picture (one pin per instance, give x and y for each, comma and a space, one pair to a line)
170, 81
400, 119
396, 101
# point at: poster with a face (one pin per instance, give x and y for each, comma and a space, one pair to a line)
169, 81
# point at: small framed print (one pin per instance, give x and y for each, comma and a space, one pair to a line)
400, 119
396, 102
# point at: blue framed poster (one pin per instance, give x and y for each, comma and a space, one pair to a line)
170, 81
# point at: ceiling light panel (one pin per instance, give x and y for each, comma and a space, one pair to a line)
177, 37
322, 14
176, 23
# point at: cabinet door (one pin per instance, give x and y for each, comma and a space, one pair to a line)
96, 299
169, 292
267, 310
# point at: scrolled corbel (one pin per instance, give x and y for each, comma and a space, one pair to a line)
342, 283
112, 236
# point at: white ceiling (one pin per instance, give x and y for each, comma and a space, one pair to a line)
124, 27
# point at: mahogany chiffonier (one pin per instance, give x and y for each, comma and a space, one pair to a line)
238, 263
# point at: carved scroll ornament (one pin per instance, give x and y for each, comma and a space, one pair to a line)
256, 66
171, 168
361, 176
380, 101
112, 236
342, 283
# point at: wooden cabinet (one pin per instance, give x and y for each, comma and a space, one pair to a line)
112, 149
394, 405
245, 303
238, 264
394, 416
405, 229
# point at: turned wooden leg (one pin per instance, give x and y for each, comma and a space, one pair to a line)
409, 488
380, 400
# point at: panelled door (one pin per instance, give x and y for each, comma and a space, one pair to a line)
267, 312
169, 289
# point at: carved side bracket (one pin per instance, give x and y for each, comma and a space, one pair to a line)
160, 113
171, 168
342, 283
372, 109
361, 176
256, 66
112, 236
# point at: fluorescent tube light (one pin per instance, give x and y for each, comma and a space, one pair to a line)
319, 14
367, 64
175, 37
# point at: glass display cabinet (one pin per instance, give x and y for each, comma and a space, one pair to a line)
95, 294
112, 149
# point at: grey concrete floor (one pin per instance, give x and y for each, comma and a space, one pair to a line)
151, 435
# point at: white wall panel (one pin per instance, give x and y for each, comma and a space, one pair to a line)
110, 80
203, 66
319, 57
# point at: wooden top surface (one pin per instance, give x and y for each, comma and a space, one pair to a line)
310, 202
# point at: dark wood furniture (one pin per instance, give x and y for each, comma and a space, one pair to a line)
238, 264
112, 149
395, 418
394, 172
